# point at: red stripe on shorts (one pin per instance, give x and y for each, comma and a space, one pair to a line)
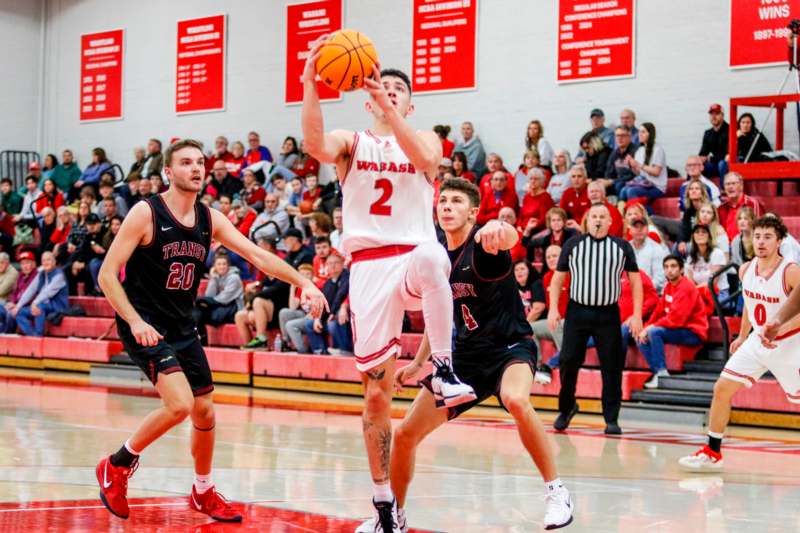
738, 375
788, 334
380, 353
381, 252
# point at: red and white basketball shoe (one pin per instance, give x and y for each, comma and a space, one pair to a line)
214, 505
704, 460
113, 482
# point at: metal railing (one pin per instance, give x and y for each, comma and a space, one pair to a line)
721, 305
14, 164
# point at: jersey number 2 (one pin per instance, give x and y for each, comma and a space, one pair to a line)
379, 207
760, 314
469, 320
181, 276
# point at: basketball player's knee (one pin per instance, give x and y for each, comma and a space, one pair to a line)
405, 437
179, 409
241, 316
203, 411
724, 388
376, 400
517, 405
432, 259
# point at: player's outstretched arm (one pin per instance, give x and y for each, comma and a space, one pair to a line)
138, 224
271, 264
496, 236
412, 369
324, 147
423, 148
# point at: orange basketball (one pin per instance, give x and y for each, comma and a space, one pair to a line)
345, 59
306, 206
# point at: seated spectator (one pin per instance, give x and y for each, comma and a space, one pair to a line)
262, 298
494, 163
27, 273
279, 188
499, 195
35, 170
296, 252
91, 174
243, 217
67, 173
597, 195
46, 294
531, 290
109, 234
220, 153
679, 318
295, 195
331, 195
236, 163
10, 199
598, 120
154, 161
224, 297
157, 183
447, 145
47, 226
322, 247
535, 140
735, 199
557, 233
29, 200
49, 197
618, 170
225, 206
8, 277
139, 156
575, 200
290, 152
8, 230
705, 260
742, 245
750, 136
62, 230
530, 160
222, 182
107, 190
292, 319
559, 182
694, 173
335, 322
472, 147
460, 168
144, 190
338, 228
649, 254
707, 216
541, 330
508, 216
252, 194
49, 165
89, 197
634, 210
305, 165
595, 155
714, 150
313, 192
627, 118
695, 197
83, 263
649, 166
535, 203
274, 220
256, 152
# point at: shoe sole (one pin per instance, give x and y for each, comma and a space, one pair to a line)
218, 519
110, 510
559, 526
453, 401
700, 470
569, 419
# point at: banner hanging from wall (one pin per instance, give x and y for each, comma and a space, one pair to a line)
305, 22
445, 45
759, 31
200, 66
596, 40
101, 75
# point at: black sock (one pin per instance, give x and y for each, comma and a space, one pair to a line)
123, 458
715, 443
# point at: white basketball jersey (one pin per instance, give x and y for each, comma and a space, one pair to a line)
764, 296
386, 200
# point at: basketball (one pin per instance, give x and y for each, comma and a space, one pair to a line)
345, 60
306, 206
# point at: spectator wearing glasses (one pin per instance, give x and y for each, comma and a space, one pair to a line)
595, 154
694, 172
272, 213
500, 195
619, 171
627, 118
255, 151
220, 153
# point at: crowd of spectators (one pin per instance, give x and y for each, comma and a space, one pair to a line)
65, 218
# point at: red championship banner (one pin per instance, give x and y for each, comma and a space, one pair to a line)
101, 75
759, 30
445, 44
304, 24
595, 39
200, 71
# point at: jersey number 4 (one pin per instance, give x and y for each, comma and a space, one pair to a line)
469, 320
181, 276
379, 206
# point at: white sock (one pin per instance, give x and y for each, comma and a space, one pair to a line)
554, 485
130, 448
382, 492
716, 435
202, 483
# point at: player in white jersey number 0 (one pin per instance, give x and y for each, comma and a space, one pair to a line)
767, 281
386, 176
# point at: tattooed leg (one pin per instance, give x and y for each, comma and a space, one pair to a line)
377, 419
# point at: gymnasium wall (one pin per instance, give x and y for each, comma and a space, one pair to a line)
20, 37
681, 67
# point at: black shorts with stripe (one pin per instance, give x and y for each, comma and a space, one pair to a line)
484, 371
173, 353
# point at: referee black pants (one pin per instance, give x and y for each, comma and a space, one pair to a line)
603, 324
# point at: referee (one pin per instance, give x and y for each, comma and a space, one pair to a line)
595, 262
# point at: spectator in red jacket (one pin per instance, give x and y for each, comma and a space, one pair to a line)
220, 153
536, 203
494, 163
253, 194
735, 200
322, 249
50, 197
244, 216
237, 161
597, 195
305, 165
679, 318
447, 145
499, 196
575, 200
508, 216
256, 152
460, 169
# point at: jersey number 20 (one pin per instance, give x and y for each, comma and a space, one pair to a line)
379, 206
181, 276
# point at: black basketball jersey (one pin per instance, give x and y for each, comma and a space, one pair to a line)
161, 278
489, 313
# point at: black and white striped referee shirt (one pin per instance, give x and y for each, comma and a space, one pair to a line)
595, 267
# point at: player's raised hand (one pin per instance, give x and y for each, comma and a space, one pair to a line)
491, 236
768, 334
315, 299
401, 375
374, 86
144, 333
310, 69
